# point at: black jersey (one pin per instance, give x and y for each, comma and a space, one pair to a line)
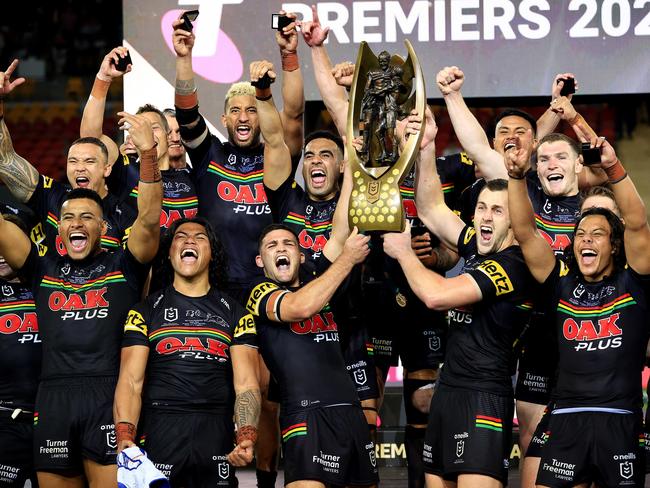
310, 219
81, 307
482, 336
20, 346
602, 332
46, 204
189, 341
179, 195
304, 357
231, 196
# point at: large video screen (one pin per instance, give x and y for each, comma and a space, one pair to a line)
505, 47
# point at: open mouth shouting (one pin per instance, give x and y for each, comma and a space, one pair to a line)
82, 181
510, 143
588, 256
78, 241
486, 232
282, 263
189, 255
243, 132
318, 177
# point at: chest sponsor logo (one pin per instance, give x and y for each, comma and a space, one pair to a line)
193, 347
25, 324
315, 243
249, 199
322, 325
459, 316
497, 275
90, 304
590, 336
558, 241
167, 218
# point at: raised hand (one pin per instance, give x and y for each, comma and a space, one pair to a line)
313, 33
557, 86
343, 73
287, 39
183, 40
450, 80
260, 68
107, 70
140, 130
6, 85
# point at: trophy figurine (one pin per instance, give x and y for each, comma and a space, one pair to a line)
385, 89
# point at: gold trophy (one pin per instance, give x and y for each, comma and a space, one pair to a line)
385, 88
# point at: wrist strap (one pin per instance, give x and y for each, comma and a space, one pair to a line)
263, 94
575, 119
149, 170
616, 172
246, 432
289, 61
516, 177
125, 431
100, 88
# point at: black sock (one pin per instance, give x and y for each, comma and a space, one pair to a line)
266, 479
414, 440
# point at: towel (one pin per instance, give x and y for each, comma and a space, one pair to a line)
135, 470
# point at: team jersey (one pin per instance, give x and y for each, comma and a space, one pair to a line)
482, 336
46, 204
81, 307
602, 332
189, 341
310, 219
304, 357
20, 346
231, 196
179, 195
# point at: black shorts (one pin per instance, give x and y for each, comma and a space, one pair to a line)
16, 450
74, 420
189, 448
328, 444
537, 365
361, 365
585, 447
468, 432
538, 441
422, 343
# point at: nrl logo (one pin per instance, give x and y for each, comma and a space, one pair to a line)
626, 469
360, 377
460, 448
7, 290
224, 471
171, 314
434, 343
111, 439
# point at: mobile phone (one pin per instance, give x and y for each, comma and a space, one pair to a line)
123, 63
263, 82
189, 17
569, 87
280, 21
590, 155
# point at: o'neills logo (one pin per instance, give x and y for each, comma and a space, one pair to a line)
79, 306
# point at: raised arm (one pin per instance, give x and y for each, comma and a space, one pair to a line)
633, 212
436, 291
334, 96
92, 120
429, 198
537, 253
549, 120
590, 175
14, 244
248, 401
145, 232
310, 299
15, 171
277, 157
293, 89
128, 394
468, 130
194, 130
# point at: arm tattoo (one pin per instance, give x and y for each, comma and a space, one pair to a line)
17, 173
445, 258
185, 87
247, 408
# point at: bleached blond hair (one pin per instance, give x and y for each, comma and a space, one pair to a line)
238, 89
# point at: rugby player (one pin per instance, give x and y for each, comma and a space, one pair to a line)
87, 167
324, 433
82, 299
190, 355
470, 419
599, 297
20, 363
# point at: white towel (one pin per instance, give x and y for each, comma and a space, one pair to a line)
135, 470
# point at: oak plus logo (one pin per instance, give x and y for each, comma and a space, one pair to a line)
215, 56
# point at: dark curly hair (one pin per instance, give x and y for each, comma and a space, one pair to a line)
615, 237
218, 268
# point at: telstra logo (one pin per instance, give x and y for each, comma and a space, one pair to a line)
215, 56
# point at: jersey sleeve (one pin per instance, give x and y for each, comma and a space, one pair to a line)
32, 270
136, 326
135, 272
280, 200
467, 241
201, 155
504, 274
46, 198
245, 332
259, 297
